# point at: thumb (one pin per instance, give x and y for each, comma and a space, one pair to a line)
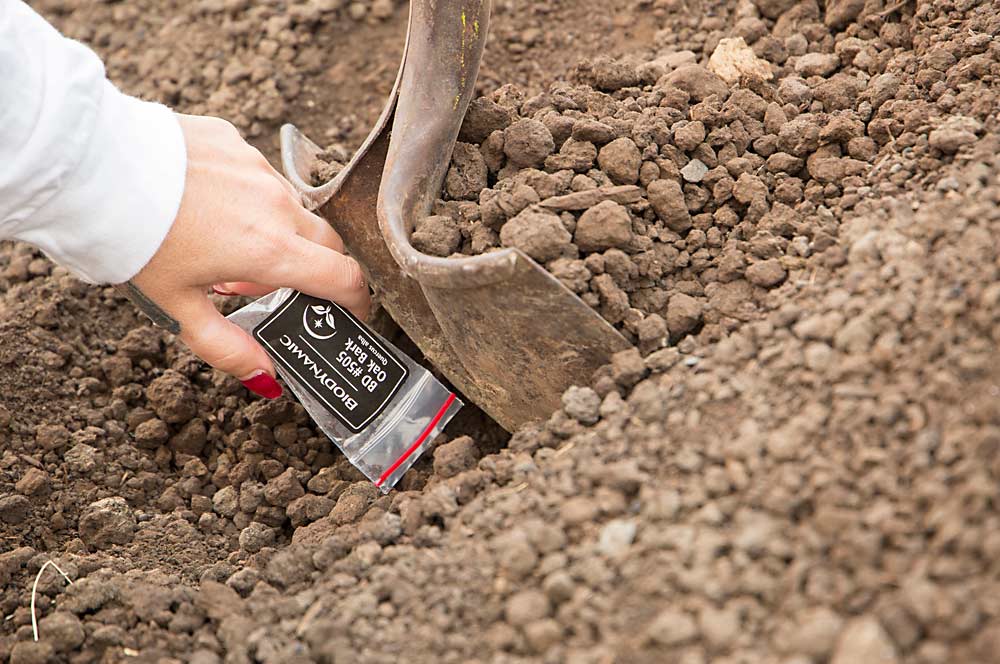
225, 345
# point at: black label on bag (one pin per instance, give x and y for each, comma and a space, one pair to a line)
334, 356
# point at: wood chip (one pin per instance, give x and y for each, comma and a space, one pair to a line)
582, 200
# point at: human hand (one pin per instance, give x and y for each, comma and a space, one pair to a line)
240, 230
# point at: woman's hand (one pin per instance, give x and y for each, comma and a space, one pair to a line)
241, 229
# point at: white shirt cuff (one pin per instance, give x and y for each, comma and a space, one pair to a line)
116, 207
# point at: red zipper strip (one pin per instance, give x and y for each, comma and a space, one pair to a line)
420, 441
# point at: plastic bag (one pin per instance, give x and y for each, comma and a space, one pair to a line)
376, 404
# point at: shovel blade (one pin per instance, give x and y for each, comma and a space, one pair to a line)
523, 340
504, 331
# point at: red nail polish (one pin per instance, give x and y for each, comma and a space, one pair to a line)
219, 291
264, 385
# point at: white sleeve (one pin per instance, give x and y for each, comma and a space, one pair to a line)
89, 175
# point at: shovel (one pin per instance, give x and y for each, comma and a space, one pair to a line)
505, 332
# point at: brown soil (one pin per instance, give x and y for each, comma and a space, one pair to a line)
800, 466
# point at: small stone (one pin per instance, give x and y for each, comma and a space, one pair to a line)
574, 155
456, 456
51, 436
117, 369
814, 633
592, 131
539, 234
483, 117
527, 143
270, 412
572, 272
734, 61
840, 13
225, 502
190, 439
324, 481
468, 173
35, 481
62, 629
559, 586
81, 458
864, 641
519, 556
588, 198
683, 315
172, 397
382, 9
627, 367
14, 509
621, 160
697, 82
671, 628
689, 135
719, 627
774, 8
582, 404
349, 508
152, 433
607, 225
616, 537
308, 508
766, 274
817, 64
288, 567
606, 74
543, 634
667, 199
578, 510
106, 522
437, 235
526, 607
694, 171
950, 140
652, 333
256, 536
32, 652
283, 489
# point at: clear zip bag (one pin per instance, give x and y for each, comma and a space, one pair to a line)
378, 406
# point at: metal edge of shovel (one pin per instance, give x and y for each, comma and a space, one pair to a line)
507, 333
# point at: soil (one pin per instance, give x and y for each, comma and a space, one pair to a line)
798, 464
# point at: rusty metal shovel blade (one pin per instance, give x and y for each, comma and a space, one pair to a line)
504, 331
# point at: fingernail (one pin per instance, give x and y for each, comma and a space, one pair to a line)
261, 383
219, 291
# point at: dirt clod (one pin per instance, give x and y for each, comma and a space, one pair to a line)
456, 456
537, 233
527, 142
621, 159
172, 397
107, 522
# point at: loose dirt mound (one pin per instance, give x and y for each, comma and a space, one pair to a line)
807, 474
671, 196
